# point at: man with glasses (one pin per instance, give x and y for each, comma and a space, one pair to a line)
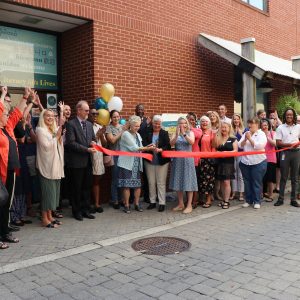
80, 138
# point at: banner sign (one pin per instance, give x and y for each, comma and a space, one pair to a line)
28, 58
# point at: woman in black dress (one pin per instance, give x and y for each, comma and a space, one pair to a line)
225, 141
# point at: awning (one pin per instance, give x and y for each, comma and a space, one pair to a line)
265, 65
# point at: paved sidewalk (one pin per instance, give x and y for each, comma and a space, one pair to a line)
241, 254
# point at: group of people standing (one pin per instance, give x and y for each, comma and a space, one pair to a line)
67, 164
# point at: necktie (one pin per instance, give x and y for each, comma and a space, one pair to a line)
83, 123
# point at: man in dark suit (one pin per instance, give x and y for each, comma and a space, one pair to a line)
79, 140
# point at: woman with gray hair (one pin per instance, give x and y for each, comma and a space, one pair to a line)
157, 170
183, 174
206, 178
130, 167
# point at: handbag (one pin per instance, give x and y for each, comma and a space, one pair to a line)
3, 194
108, 161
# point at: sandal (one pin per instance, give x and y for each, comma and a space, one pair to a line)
56, 214
206, 205
269, 199
56, 222
3, 246
225, 205
10, 239
50, 225
178, 208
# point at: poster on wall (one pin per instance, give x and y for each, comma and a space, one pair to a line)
169, 122
51, 100
28, 58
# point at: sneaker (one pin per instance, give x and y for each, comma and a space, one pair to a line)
138, 208
126, 209
246, 204
256, 206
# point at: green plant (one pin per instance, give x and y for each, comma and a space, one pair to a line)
289, 100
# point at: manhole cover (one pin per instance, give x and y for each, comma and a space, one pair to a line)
161, 245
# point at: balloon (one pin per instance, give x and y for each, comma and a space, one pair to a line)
103, 117
115, 103
122, 121
100, 104
107, 91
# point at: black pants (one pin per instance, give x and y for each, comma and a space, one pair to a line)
4, 210
81, 180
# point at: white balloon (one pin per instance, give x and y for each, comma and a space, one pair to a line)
115, 103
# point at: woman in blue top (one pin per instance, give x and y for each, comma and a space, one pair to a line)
130, 167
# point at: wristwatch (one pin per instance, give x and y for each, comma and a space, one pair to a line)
184, 135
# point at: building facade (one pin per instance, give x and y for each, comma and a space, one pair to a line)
149, 50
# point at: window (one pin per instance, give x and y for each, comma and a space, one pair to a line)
260, 4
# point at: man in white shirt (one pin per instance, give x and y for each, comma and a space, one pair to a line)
222, 110
287, 136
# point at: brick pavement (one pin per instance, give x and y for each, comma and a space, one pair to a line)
242, 254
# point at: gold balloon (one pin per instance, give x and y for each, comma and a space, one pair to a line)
107, 91
103, 117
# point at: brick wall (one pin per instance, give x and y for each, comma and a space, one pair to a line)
148, 49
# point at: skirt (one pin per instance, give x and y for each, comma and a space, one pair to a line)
50, 191
130, 178
225, 171
206, 177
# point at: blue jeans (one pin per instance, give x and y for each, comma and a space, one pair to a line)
253, 179
115, 191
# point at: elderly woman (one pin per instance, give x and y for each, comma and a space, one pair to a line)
113, 135
206, 178
50, 163
253, 167
225, 141
237, 183
157, 170
183, 174
130, 167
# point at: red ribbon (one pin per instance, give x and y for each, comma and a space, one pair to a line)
183, 154
123, 153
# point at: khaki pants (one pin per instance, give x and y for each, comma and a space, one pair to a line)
157, 178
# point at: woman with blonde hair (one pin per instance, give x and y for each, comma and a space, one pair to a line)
214, 120
225, 141
50, 163
237, 183
183, 174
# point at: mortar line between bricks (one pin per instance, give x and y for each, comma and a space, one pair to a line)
108, 242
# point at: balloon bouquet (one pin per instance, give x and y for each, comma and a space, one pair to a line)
106, 103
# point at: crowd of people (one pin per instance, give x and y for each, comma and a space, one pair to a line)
54, 157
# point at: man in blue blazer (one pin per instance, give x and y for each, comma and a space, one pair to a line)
79, 140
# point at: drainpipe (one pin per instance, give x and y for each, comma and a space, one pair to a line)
249, 82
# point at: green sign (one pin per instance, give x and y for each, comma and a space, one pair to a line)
28, 58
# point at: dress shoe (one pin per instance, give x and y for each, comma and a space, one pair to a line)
88, 216
138, 208
295, 203
151, 206
78, 217
13, 228
93, 210
161, 208
99, 210
116, 205
278, 202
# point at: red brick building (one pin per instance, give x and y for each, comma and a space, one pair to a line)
149, 49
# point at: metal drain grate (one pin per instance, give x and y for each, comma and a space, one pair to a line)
161, 245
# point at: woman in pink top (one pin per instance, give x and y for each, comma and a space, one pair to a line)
206, 178
270, 176
195, 148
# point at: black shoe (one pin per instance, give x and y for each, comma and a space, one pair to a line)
138, 208
151, 206
279, 202
161, 208
78, 217
99, 210
126, 209
147, 200
295, 203
276, 191
13, 228
93, 210
88, 216
116, 205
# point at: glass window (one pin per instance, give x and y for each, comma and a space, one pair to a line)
260, 4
